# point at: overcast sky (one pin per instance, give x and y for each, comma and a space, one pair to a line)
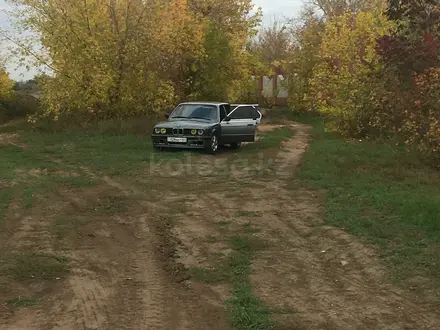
271, 9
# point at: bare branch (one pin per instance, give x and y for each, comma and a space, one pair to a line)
30, 52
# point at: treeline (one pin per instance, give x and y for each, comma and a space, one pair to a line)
371, 67
130, 57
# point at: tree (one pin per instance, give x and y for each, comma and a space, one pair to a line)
119, 58
6, 91
6, 84
273, 43
410, 58
337, 7
306, 34
224, 70
345, 78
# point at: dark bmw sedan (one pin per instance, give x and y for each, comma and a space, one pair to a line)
206, 125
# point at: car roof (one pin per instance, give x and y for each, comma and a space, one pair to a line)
244, 105
206, 103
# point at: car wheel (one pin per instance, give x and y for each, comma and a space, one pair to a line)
235, 145
213, 144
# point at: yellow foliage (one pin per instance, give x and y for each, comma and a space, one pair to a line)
6, 84
115, 58
341, 82
303, 63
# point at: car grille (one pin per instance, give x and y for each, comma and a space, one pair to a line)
187, 131
183, 131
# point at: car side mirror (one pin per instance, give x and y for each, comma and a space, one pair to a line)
167, 115
227, 119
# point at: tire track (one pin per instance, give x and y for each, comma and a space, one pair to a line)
31, 235
89, 303
160, 300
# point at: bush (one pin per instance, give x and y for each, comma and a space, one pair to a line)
17, 105
411, 72
422, 123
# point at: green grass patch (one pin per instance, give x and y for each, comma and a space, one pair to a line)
33, 173
112, 154
39, 266
22, 302
380, 192
268, 140
210, 276
27, 197
246, 311
16, 159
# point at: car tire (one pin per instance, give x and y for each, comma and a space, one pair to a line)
212, 144
236, 145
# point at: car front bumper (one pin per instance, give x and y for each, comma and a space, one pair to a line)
192, 142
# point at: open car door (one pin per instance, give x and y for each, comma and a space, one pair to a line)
241, 123
256, 108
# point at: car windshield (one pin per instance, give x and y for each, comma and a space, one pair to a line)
196, 111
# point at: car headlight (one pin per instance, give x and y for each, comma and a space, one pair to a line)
163, 130
157, 130
200, 132
193, 132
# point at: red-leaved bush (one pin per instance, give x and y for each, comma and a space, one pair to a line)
410, 75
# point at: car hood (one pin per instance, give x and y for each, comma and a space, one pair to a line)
192, 124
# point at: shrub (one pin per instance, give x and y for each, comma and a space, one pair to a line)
17, 105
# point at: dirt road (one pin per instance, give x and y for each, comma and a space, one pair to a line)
129, 269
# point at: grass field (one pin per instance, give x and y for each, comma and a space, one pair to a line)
382, 193
100, 216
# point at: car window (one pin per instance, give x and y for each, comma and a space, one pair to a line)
244, 112
223, 112
204, 111
228, 108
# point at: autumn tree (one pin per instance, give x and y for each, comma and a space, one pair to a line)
306, 33
345, 79
411, 71
273, 43
225, 67
118, 58
6, 84
6, 90
415, 44
332, 8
